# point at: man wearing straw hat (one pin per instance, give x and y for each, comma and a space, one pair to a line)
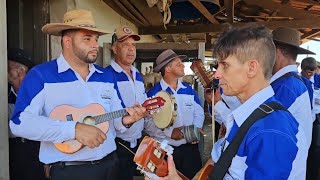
291, 90
189, 111
71, 79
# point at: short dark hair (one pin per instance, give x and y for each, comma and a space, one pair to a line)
309, 63
67, 32
246, 43
287, 51
163, 69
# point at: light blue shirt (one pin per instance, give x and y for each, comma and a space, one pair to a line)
269, 147
189, 110
55, 83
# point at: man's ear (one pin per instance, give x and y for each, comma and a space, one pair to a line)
253, 68
66, 41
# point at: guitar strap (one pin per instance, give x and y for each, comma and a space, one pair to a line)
224, 162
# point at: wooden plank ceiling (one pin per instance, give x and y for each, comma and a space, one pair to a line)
303, 15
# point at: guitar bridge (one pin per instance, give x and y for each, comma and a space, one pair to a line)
69, 117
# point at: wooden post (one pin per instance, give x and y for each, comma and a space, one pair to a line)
4, 145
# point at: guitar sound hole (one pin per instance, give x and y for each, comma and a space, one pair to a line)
89, 120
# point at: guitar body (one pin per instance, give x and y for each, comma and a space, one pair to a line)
83, 115
206, 170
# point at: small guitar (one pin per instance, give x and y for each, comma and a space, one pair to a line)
94, 114
151, 158
205, 172
204, 76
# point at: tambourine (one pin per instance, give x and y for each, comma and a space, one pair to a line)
167, 115
190, 133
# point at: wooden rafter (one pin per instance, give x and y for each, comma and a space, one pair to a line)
152, 15
134, 11
310, 34
207, 28
204, 11
229, 4
284, 10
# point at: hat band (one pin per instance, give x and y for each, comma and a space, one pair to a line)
87, 25
170, 57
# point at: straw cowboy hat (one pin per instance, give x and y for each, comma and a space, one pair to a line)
122, 33
165, 57
290, 37
74, 19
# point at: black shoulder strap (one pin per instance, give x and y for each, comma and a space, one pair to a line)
224, 162
288, 74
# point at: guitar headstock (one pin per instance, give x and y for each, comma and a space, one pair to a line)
204, 76
150, 158
154, 104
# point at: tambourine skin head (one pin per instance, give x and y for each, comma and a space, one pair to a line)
167, 113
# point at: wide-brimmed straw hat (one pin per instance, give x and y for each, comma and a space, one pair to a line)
165, 57
122, 33
74, 19
290, 37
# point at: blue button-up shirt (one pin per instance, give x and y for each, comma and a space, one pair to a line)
269, 147
55, 83
130, 91
189, 110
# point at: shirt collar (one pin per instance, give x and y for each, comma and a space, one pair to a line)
284, 70
312, 79
119, 69
13, 91
63, 65
165, 85
243, 112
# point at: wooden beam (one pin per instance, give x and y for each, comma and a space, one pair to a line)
164, 46
116, 8
224, 7
134, 11
284, 10
152, 15
204, 11
310, 34
122, 11
313, 23
126, 11
229, 4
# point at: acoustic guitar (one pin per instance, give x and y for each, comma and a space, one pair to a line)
95, 115
151, 158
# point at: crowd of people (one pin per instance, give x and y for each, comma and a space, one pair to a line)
258, 80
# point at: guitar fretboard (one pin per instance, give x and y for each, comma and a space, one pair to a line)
109, 116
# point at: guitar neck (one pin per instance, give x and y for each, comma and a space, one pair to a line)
110, 116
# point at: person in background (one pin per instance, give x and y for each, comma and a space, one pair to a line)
72, 79
308, 70
23, 153
293, 91
130, 89
189, 111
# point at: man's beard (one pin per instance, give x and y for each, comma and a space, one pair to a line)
83, 56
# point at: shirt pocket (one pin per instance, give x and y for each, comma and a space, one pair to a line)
187, 107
